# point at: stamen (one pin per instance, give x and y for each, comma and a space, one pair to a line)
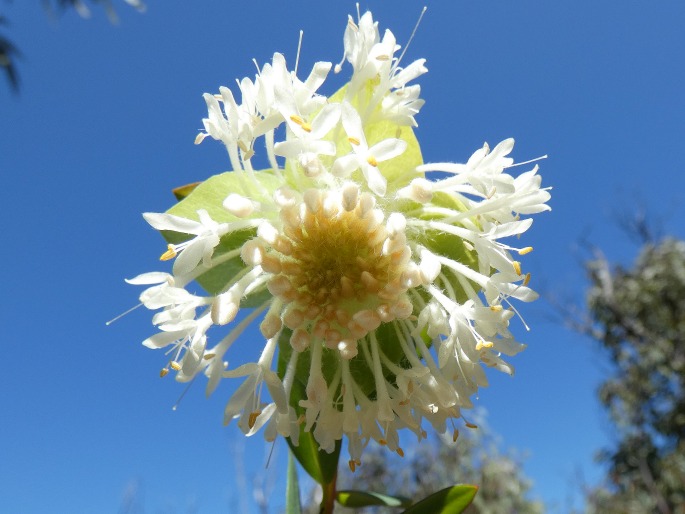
354, 141
413, 33
297, 120
163, 372
253, 418
299, 48
243, 146
108, 323
484, 344
526, 280
372, 161
169, 254
524, 251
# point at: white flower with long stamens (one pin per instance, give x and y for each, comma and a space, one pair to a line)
362, 156
380, 291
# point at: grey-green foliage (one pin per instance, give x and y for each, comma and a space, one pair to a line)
434, 464
638, 316
8, 56
9, 53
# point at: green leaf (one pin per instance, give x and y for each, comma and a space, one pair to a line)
398, 171
451, 500
364, 499
181, 192
318, 464
402, 169
292, 489
209, 195
321, 466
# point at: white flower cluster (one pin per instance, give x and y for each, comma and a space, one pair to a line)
381, 292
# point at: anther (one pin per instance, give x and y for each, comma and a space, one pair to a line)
297, 120
524, 251
484, 344
169, 254
455, 435
517, 267
372, 161
526, 280
400, 452
253, 418
164, 372
354, 141
175, 366
470, 425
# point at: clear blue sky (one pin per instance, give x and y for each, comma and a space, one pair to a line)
103, 129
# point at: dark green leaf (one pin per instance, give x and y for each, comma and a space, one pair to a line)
292, 489
321, 466
364, 499
451, 500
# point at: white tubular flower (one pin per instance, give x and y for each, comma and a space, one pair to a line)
380, 291
362, 156
308, 141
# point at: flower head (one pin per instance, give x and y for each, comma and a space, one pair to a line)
380, 291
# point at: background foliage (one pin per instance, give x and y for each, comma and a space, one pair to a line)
638, 317
476, 458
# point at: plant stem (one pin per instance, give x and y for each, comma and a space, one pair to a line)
328, 500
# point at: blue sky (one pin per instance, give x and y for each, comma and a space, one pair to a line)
103, 129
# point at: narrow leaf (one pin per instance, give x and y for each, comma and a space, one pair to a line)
356, 499
451, 500
181, 192
321, 466
292, 489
